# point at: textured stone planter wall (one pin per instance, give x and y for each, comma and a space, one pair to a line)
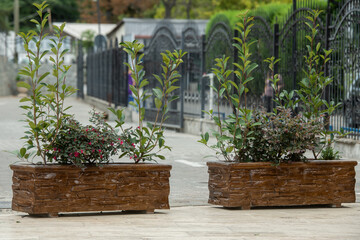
50, 189
261, 184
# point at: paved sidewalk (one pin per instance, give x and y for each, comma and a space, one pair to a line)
190, 223
190, 217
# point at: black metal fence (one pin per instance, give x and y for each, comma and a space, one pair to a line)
344, 67
80, 72
106, 75
339, 29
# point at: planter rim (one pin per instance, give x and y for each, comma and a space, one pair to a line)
128, 166
292, 164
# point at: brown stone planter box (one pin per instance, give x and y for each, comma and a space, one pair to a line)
50, 189
248, 185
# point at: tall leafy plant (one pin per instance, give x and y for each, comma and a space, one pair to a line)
145, 142
313, 85
235, 132
313, 105
252, 135
45, 105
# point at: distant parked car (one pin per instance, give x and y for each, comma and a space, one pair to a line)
352, 105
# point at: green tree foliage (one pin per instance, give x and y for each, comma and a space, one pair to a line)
87, 38
205, 9
61, 10
5, 10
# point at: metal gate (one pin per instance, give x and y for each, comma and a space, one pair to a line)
162, 39
106, 75
291, 43
344, 66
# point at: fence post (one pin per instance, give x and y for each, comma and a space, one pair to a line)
276, 47
294, 47
236, 60
88, 75
182, 87
235, 52
115, 73
326, 69
80, 72
202, 91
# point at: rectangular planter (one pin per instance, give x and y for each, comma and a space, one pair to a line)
50, 189
248, 185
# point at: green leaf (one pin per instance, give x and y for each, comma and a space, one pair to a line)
161, 142
35, 21
172, 88
43, 76
158, 103
25, 99
157, 93
206, 136
143, 83
159, 79
23, 84
22, 152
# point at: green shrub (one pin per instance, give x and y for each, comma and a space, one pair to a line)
251, 135
91, 144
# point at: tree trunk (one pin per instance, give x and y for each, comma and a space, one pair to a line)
169, 4
188, 8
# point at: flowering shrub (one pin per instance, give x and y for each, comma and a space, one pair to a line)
91, 144
289, 137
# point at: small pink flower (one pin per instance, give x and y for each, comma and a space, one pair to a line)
130, 157
93, 150
89, 143
121, 143
54, 149
133, 144
54, 158
119, 139
101, 156
76, 154
87, 129
112, 144
99, 150
138, 127
94, 130
82, 151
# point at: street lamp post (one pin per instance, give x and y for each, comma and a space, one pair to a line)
16, 27
98, 14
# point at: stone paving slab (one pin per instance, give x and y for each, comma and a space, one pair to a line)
197, 220
192, 222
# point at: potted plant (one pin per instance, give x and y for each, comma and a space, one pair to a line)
75, 173
264, 153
